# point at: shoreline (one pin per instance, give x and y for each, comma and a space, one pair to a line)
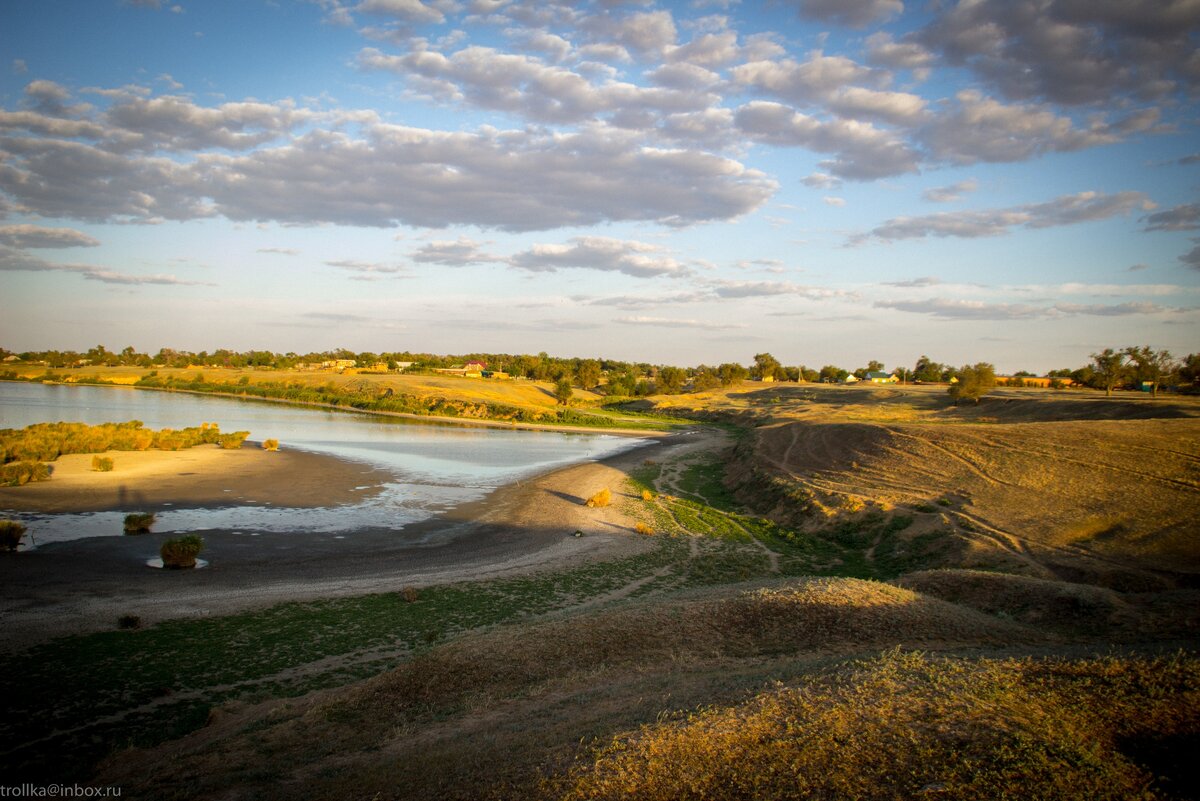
433, 419
83, 586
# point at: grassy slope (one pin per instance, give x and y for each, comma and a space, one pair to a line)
627, 675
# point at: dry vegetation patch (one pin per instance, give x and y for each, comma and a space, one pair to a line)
904, 725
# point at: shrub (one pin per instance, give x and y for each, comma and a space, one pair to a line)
647, 495
17, 474
182, 551
102, 464
231, 442
129, 622
139, 522
642, 528
410, 594
11, 533
601, 498
270, 444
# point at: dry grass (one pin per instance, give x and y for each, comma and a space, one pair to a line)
903, 725
600, 499
489, 709
270, 444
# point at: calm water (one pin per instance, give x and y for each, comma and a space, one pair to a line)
436, 467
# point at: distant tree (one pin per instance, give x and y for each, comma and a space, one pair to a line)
872, 367
1153, 366
621, 384
791, 373
1023, 374
670, 380
731, 374
1109, 366
563, 391
903, 373
974, 381
705, 379
588, 373
927, 370
808, 374
765, 366
831, 374
1189, 370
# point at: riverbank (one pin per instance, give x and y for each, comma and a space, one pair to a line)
84, 586
204, 476
636, 428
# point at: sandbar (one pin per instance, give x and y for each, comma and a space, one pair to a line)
204, 476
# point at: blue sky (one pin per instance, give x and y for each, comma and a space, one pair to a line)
832, 181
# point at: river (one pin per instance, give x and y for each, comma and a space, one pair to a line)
435, 466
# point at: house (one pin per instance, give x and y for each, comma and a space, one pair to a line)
766, 379
877, 377
850, 379
402, 366
498, 374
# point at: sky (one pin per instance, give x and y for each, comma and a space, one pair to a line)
830, 181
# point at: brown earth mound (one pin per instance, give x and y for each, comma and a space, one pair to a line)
1101, 490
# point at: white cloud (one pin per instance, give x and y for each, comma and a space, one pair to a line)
279, 251
15, 260
36, 236
454, 253
1064, 210
863, 151
668, 322
950, 194
406, 10
639, 259
834, 201
952, 309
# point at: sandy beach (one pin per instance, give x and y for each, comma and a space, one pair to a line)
203, 476
85, 585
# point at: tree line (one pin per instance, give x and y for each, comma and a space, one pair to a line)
1108, 370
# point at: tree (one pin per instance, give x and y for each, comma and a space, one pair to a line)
1152, 366
731, 374
927, 370
808, 374
1109, 368
670, 380
831, 374
705, 379
974, 381
766, 366
588, 373
1189, 371
563, 391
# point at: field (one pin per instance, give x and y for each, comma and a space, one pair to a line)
835, 593
522, 394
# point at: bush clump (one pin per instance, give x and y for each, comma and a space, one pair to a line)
231, 442
17, 474
642, 528
647, 495
11, 533
410, 594
139, 522
182, 552
129, 622
601, 498
270, 444
102, 464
